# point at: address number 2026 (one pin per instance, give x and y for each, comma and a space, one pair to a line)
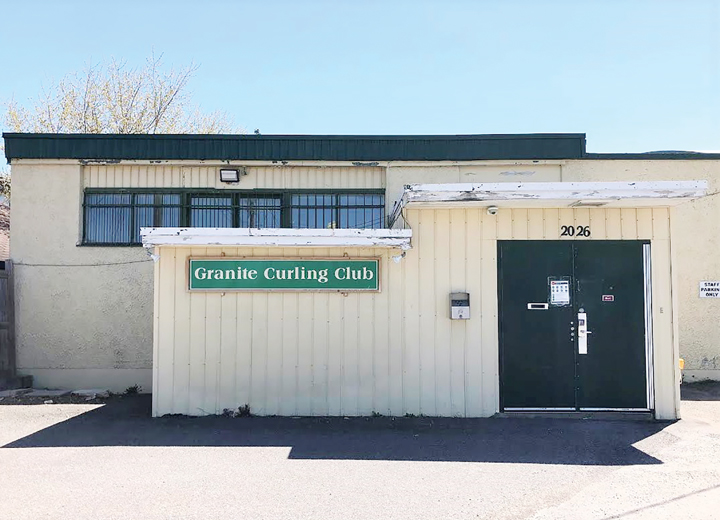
574, 231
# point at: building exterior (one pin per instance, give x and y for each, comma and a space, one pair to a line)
345, 275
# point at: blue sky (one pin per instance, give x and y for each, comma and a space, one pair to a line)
634, 75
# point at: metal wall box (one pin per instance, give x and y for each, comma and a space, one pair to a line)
459, 306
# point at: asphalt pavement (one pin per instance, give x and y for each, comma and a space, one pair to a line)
112, 461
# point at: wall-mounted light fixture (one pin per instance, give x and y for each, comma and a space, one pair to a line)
228, 175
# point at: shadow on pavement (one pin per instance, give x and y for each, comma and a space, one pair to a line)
700, 391
127, 422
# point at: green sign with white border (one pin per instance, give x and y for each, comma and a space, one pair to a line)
287, 274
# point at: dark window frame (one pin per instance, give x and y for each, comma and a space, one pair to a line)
186, 195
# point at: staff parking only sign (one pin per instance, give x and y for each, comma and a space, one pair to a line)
296, 274
710, 289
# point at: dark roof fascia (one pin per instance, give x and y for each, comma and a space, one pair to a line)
294, 147
652, 156
292, 137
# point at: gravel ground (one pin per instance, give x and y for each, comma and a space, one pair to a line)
109, 460
64, 399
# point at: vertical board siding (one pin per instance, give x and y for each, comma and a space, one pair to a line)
481, 229
182, 341
365, 354
235, 344
381, 345
269, 177
443, 331
394, 352
425, 279
663, 331
457, 280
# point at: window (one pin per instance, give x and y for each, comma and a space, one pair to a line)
258, 212
211, 211
337, 211
114, 217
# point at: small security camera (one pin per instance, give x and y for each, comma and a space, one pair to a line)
492, 210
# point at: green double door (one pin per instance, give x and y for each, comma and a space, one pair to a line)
574, 325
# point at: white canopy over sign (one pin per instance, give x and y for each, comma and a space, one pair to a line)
265, 237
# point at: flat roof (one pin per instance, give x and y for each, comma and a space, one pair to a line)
355, 148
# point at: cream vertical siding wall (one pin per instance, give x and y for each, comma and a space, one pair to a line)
392, 352
268, 177
84, 314
309, 353
294, 353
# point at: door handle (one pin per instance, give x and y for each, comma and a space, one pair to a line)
582, 333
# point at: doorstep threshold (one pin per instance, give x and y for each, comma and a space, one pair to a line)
643, 415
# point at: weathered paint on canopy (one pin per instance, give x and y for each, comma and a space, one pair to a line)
656, 193
261, 237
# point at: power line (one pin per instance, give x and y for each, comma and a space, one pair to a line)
83, 265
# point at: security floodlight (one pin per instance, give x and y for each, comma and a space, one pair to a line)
229, 175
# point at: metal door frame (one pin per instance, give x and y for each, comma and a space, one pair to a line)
649, 339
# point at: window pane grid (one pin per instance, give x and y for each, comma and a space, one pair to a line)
259, 211
341, 210
211, 211
116, 218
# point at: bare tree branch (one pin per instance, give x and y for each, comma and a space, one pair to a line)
112, 97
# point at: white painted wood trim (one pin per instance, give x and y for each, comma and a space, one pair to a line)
392, 238
661, 192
